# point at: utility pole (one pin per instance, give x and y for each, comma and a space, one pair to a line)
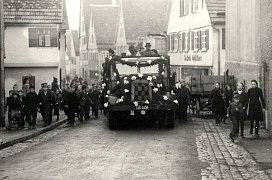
2, 72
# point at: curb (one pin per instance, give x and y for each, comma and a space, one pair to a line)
30, 136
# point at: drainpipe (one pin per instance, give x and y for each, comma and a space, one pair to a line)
219, 50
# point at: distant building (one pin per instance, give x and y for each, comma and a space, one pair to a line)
157, 41
116, 24
249, 42
196, 34
72, 60
34, 41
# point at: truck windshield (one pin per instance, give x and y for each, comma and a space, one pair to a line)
125, 69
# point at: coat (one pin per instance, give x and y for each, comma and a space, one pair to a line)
32, 100
46, 100
244, 101
218, 105
256, 103
15, 104
182, 95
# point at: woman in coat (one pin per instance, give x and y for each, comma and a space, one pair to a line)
256, 106
242, 95
218, 106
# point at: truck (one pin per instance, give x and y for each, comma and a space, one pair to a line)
139, 87
201, 87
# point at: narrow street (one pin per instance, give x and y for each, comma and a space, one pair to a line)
193, 150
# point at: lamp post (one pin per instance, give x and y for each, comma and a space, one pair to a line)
2, 73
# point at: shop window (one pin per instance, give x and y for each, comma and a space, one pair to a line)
43, 37
223, 38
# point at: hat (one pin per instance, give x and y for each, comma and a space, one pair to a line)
31, 87
235, 96
44, 84
21, 91
111, 51
147, 45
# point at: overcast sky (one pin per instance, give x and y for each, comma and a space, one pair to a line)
73, 8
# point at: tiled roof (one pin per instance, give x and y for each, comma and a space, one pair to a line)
33, 11
106, 21
217, 9
76, 41
143, 17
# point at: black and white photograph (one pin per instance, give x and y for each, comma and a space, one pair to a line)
135, 89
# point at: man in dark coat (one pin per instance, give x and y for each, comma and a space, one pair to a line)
65, 93
46, 102
94, 95
84, 101
183, 97
218, 105
256, 106
15, 107
72, 104
8, 102
23, 111
53, 98
32, 105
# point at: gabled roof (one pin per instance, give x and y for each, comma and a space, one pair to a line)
34, 11
217, 9
76, 41
141, 17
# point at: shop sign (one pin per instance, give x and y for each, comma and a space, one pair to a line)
192, 58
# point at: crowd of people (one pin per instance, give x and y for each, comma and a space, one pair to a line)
240, 106
76, 99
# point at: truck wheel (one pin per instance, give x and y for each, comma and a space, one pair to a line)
112, 121
170, 119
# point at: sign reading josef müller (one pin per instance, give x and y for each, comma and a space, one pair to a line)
192, 58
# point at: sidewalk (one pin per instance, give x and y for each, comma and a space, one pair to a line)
259, 148
9, 138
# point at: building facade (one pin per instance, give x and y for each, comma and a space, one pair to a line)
34, 44
196, 37
249, 41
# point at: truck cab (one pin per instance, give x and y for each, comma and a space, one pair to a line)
139, 87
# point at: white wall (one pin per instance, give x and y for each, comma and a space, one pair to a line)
18, 50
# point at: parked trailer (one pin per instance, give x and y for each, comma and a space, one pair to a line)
201, 87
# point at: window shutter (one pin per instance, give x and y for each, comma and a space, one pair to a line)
192, 6
172, 42
207, 39
33, 37
178, 37
181, 7
54, 37
188, 41
183, 41
199, 40
168, 43
192, 40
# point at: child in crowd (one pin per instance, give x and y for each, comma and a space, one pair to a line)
236, 116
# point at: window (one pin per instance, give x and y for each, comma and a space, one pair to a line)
176, 42
196, 41
187, 41
186, 7
181, 8
160, 45
172, 42
43, 37
194, 6
183, 41
223, 38
203, 40
192, 40
180, 41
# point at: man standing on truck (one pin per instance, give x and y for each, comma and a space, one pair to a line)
183, 96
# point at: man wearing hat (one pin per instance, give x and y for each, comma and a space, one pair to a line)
23, 111
45, 102
183, 96
32, 105
147, 51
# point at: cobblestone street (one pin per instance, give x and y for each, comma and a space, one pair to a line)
193, 150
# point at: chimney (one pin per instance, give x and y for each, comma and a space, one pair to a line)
113, 2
